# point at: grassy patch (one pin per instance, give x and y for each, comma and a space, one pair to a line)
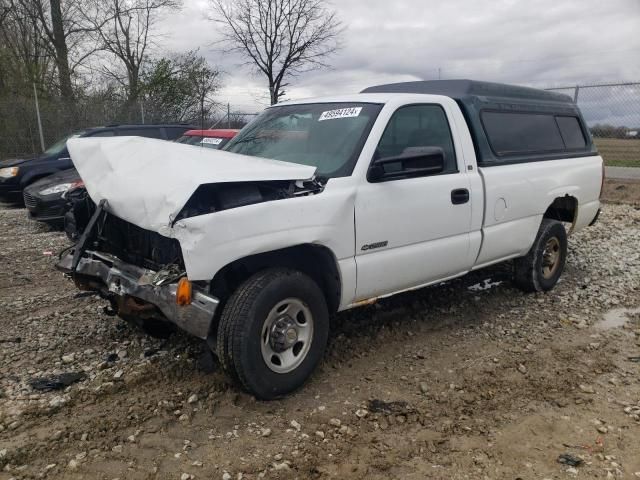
619, 152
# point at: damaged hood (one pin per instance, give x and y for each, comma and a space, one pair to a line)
147, 181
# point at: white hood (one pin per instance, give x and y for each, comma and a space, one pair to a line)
147, 181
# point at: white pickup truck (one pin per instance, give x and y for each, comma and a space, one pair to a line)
326, 204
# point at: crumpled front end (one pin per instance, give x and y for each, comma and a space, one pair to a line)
148, 193
139, 272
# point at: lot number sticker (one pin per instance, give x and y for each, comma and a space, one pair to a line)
212, 140
340, 113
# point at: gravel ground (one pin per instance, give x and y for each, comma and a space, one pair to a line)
469, 379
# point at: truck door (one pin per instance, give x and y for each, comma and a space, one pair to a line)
413, 231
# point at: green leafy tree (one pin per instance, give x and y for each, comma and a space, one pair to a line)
179, 88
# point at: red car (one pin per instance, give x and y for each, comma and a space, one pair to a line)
213, 138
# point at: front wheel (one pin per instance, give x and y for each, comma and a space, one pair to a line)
540, 269
273, 332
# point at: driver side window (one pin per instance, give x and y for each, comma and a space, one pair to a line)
418, 126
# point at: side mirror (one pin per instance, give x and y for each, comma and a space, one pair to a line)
413, 162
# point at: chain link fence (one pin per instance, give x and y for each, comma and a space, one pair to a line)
20, 133
612, 112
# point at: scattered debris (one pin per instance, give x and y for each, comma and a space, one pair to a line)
571, 460
112, 357
150, 352
390, 408
56, 382
11, 340
486, 284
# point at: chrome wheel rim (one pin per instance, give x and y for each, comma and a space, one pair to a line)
551, 258
286, 336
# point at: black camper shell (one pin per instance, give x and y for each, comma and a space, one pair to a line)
509, 123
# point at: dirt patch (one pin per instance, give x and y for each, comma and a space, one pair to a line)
622, 191
468, 379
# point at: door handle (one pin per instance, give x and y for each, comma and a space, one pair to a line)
459, 196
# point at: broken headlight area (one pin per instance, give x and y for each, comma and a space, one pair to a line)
140, 272
128, 242
79, 211
215, 197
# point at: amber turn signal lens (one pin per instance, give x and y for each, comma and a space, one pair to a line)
183, 294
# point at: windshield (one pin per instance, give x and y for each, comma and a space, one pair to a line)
328, 136
61, 144
202, 141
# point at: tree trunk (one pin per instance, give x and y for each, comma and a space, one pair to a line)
62, 52
133, 94
273, 93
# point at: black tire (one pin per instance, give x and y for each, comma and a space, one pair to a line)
240, 331
532, 272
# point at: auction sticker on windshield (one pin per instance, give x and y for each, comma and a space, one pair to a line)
211, 140
340, 113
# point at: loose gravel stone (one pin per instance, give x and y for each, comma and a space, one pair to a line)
296, 425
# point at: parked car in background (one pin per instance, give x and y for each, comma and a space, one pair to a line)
326, 204
45, 198
16, 175
213, 138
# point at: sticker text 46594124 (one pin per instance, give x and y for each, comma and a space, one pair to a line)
340, 113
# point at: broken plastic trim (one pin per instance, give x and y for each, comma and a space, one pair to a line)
81, 245
215, 197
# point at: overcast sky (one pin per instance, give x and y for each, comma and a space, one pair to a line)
541, 43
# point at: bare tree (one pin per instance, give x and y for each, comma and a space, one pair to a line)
65, 34
25, 57
279, 38
126, 30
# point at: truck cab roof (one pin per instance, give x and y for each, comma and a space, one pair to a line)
467, 89
489, 108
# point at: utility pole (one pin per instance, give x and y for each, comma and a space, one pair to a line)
142, 111
575, 94
35, 95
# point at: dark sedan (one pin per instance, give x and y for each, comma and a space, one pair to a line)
16, 175
47, 200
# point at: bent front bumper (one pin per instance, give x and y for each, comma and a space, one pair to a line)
121, 281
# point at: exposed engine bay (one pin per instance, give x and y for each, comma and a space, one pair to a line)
215, 197
149, 249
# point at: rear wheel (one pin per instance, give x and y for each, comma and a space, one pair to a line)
540, 269
273, 332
